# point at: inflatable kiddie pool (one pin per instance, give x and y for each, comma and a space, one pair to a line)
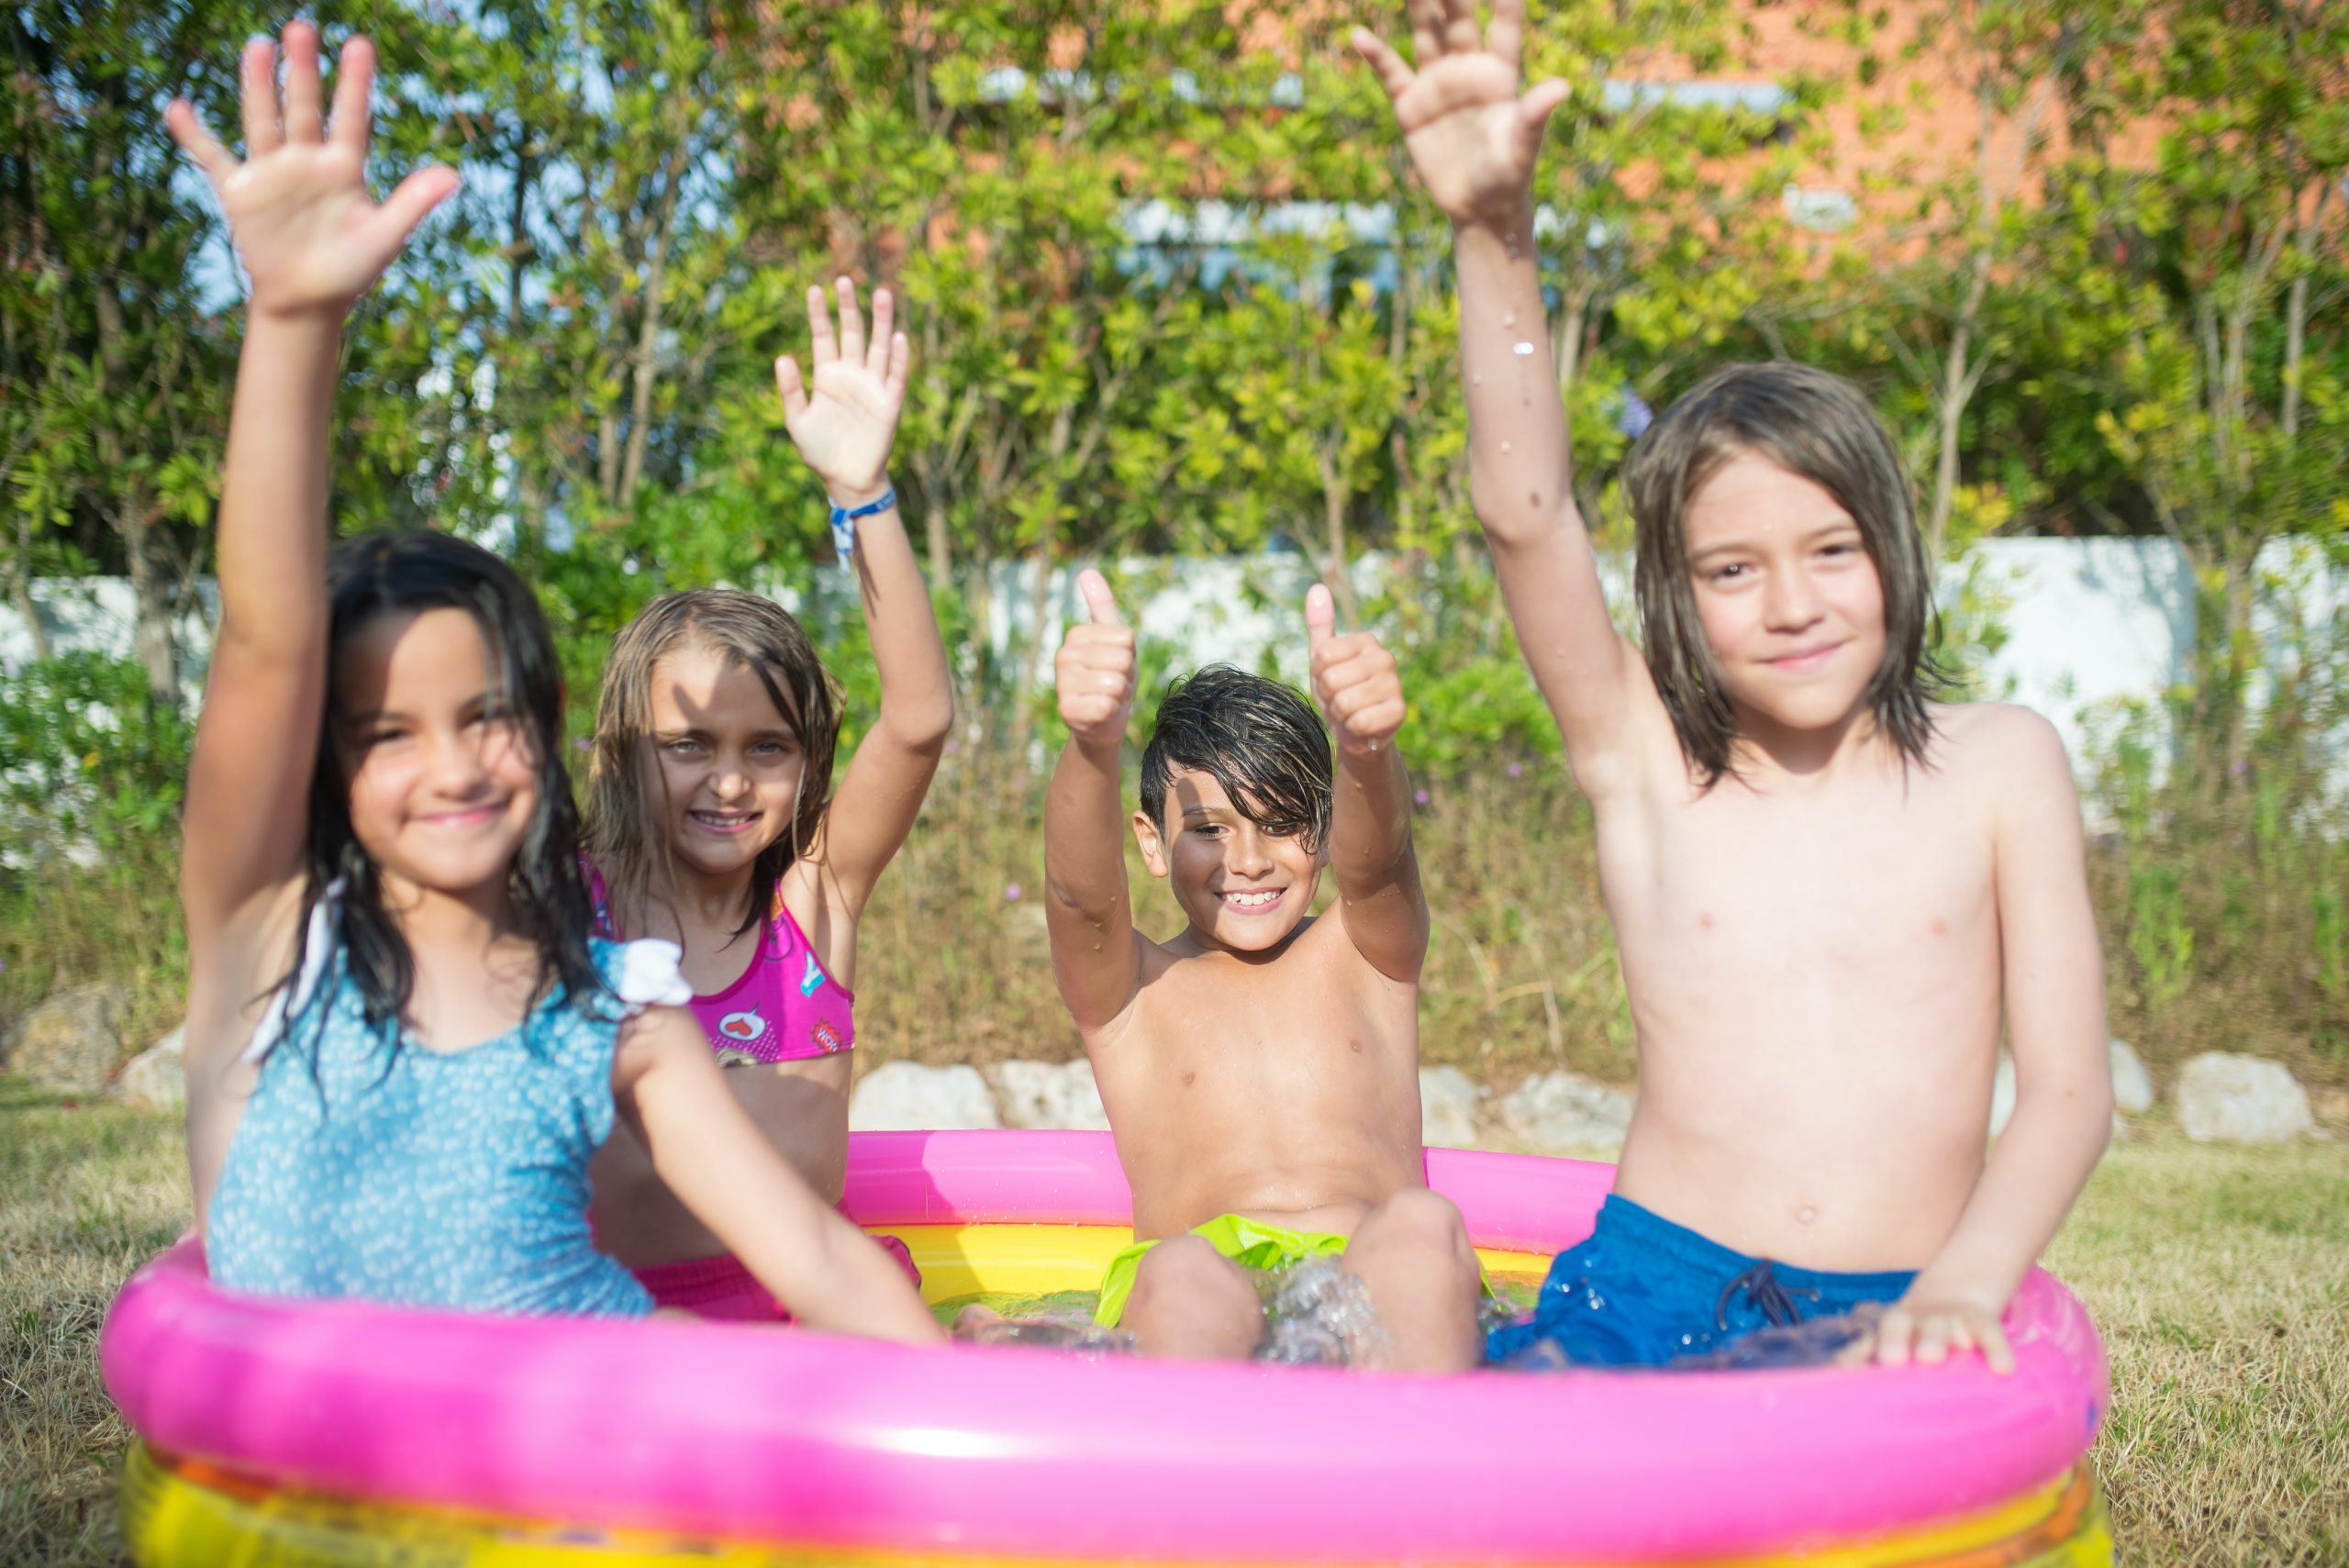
334, 1433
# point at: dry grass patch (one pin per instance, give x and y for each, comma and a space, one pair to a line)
2220, 1279
87, 1193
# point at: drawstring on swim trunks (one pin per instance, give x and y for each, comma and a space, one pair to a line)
1773, 1300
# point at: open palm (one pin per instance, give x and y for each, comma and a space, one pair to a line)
1471, 136
844, 418
310, 235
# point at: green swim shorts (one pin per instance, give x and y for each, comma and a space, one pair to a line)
1250, 1243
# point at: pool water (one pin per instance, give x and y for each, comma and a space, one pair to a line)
1315, 1315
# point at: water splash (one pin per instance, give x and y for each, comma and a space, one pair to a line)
1316, 1314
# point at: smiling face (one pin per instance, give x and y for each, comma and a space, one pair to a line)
1244, 889
1787, 595
443, 781
723, 763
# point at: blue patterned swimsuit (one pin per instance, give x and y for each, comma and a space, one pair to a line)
425, 1178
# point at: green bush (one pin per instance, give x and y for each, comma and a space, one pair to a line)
93, 770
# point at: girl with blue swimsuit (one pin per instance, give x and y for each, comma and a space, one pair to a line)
404, 1044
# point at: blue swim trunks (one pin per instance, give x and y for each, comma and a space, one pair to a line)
1642, 1291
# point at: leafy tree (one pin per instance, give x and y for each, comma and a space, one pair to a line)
112, 369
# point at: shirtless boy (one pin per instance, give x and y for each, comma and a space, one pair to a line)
1827, 889
1261, 1069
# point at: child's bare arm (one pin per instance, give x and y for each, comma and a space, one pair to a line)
845, 425
711, 1155
1379, 896
1473, 140
312, 240
1088, 907
2055, 1027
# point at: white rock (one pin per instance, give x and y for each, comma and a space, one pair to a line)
156, 1079
1049, 1094
1563, 1113
2133, 1086
2003, 1094
1030, 935
904, 1097
71, 1042
2226, 1098
1448, 1107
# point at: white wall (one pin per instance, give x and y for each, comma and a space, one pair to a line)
2088, 621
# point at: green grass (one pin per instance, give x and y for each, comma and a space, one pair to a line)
2220, 1277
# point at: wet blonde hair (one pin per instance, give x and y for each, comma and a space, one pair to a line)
628, 839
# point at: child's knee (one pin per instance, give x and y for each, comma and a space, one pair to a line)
1425, 1223
1191, 1276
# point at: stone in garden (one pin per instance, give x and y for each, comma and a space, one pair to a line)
1562, 1113
1057, 1095
2002, 1092
156, 1079
72, 1042
1031, 940
1448, 1107
2222, 1097
904, 1097
2133, 1086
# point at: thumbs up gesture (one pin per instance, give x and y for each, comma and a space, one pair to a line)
1095, 671
1354, 678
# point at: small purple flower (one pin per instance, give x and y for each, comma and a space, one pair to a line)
1012, 890
953, 745
583, 745
1418, 797
1516, 771
1636, 415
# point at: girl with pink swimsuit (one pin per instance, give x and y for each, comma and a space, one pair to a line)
711, 820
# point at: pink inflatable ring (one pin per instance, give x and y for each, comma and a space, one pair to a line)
331, 1433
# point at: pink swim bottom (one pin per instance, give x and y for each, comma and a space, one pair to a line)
721, 1289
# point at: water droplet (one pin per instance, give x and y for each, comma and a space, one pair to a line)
1504, 447
1807, 1214
1523, 350
1509, 319
1476, 381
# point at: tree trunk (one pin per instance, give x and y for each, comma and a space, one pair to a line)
1958, 380
1334, 498
135, 514
151, 587
1023, 711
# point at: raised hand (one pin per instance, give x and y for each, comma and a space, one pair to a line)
1354, 678
843, 423
311, 237
1095, 671
1471, 136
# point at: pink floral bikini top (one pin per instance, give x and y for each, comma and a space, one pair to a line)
785, 1008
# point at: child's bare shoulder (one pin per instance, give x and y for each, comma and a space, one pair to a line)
2004, 750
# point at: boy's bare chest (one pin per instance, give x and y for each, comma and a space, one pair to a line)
1210, 1034
1854, 875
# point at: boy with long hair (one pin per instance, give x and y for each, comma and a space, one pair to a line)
1827, 888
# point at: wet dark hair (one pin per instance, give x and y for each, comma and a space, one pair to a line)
1816, 426
407, 574
1259, 740
629, 839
